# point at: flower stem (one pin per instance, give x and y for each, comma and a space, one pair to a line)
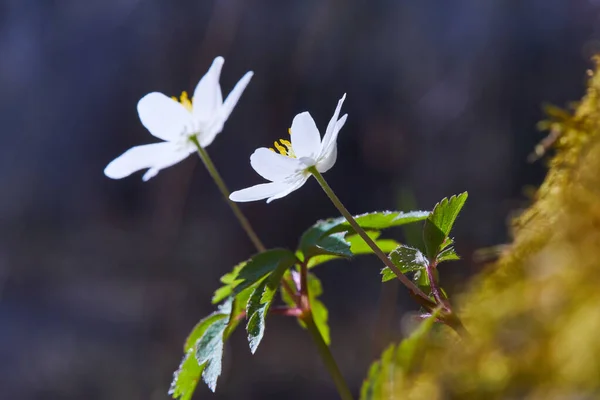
322, 348
433, 284
327, 357
417, 293
212, 170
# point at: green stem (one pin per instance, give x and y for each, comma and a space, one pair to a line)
212, 170
417, 293
327, 357
450, 318
322, 348
306, 314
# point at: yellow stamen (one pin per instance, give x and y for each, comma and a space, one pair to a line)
290, 131
284, 147
184, 100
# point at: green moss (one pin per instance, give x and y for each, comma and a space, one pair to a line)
535, 314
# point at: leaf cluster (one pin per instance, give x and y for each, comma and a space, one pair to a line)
438, 245
249, 289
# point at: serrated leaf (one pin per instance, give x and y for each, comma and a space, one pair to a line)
311, 237
319, 311
229, 282
209, 348
188, 374
252, 271
357, 247
334, 244
387, 274
384, 219
447, 243
440, 221
186, 378
407, 259
238, 309
201, 327
258, 306
448, 254
396, 362
310, 242
316, 241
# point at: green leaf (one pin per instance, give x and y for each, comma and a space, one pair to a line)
334, 244
319, 239
238, 308
407, 356
407, 259
385, 219
368, 390
313, 243
421, 279
439, 223
186, 377
311, 237
448, 254
229, 281
209, 348
319, 311
357, 247
258, 306
285, 296
372, 388
188, 374
396, 362
201, 327
387, 274
252, 271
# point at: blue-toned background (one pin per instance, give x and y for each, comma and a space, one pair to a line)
101, 280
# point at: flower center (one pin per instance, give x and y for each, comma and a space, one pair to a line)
284, 147
189, 131
184, 100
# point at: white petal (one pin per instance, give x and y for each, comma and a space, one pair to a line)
235, 95
207, 95
294, 186
306, 139
155, 156
328, 161
208, 133
164, 117
326, 151
332, 122
260, 192
217, 120
274, 166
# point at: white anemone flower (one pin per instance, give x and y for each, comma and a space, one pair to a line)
288, 167
178, 123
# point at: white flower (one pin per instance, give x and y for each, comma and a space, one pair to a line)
177, 122
288, 169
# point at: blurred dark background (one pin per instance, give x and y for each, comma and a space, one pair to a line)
101, 280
